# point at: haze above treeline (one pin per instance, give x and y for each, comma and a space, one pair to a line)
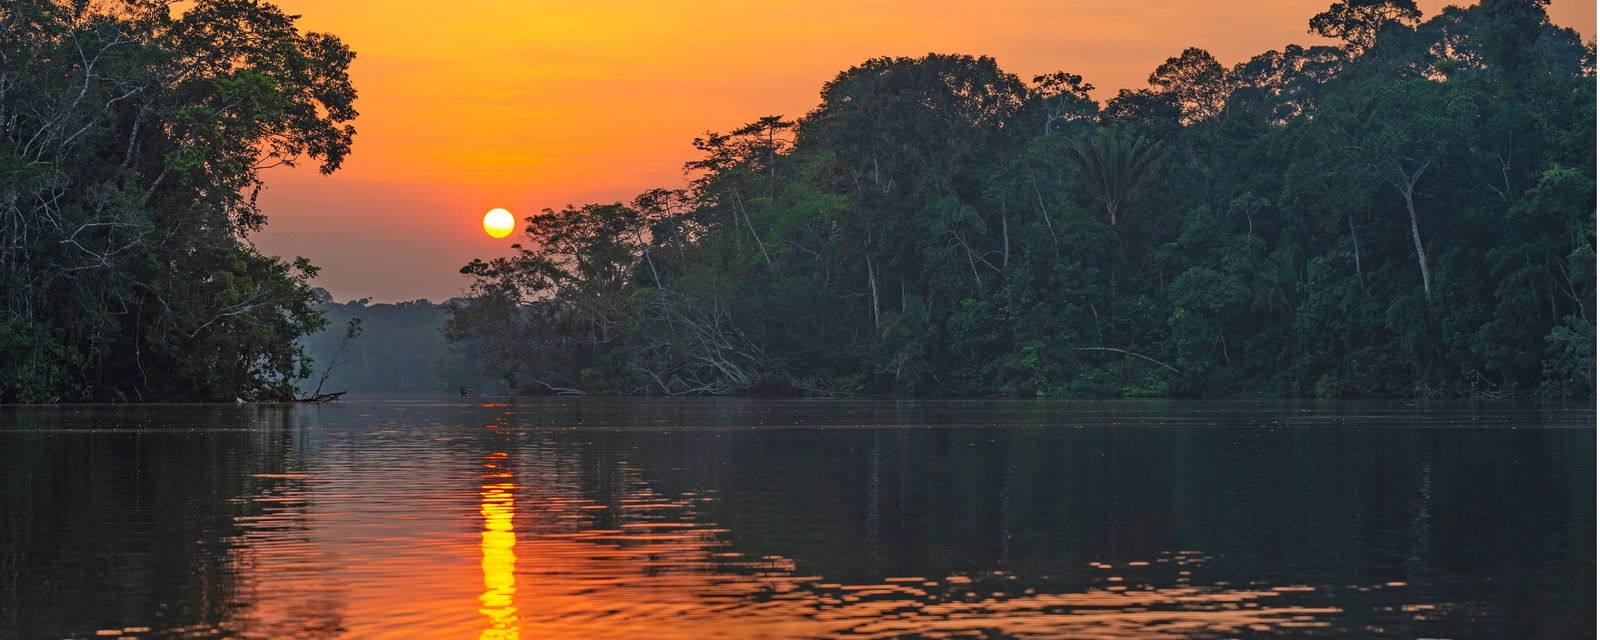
1409, 213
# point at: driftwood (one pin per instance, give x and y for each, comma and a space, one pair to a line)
319, 398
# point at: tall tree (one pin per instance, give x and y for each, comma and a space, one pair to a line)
132, 138
1359, 22
1115, 163
1199, 83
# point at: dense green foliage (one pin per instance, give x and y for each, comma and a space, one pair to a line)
131, 138
396, 349
1410, 213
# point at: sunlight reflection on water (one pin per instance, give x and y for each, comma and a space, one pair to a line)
644, 565
499, 550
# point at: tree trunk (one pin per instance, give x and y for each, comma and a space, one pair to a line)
1044, 213
872, 283
1416, 239
752, 226
1360, 279
1005, 235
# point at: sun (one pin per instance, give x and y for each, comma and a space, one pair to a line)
498, 223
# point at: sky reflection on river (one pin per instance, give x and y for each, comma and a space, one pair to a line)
404, 520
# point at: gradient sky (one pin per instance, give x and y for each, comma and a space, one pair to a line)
475, 104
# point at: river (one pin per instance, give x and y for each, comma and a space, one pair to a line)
739, 518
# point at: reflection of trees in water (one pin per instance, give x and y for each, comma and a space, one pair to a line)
605, 551
286, 579
1040, 527
1353, 511
148, 518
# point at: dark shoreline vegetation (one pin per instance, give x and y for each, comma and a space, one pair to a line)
131, 142
1409, 213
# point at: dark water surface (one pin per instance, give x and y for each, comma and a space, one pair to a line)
604, 518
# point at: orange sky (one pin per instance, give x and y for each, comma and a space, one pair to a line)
475, 104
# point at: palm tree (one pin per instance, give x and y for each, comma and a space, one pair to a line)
1114, 163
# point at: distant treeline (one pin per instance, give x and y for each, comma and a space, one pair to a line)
131, 141
1411, 212
395, 349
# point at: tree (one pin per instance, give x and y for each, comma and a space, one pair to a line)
1392, 137
1115, 163
911, 140
1152, 111
1281, 85
1064, 100
1199, 84
1359, 22
131, 140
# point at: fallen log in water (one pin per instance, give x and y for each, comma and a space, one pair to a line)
320, 398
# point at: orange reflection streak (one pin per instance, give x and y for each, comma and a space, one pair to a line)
638, 562
498, 505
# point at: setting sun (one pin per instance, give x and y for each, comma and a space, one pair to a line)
499, 223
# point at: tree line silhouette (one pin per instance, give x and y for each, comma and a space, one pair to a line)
1409, 212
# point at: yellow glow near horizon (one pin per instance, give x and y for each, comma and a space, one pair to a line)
499, 223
